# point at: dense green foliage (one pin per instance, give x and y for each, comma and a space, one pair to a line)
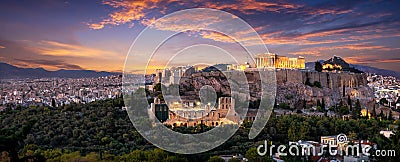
101, 130
318, 66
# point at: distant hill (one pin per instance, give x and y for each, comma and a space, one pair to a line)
8, 71
366, 69
216, 67
335, 60
378, 71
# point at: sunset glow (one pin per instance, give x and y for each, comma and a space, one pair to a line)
97, 35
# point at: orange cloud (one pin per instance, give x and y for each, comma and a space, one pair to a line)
308, 52
217, 37
54, 55
318, 51
365, 59
2, 47
129, 11
363, 47
200, 20
137, 10
331, 36
323, 11
197, 20
249, 6
97, 26
148, 22
54, 48
247, 38
276, 38
49, 64
374, 36
273, 38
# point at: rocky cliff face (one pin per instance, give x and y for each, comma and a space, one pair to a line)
330, 80
311, 86
190, 86
293, 86
294, 94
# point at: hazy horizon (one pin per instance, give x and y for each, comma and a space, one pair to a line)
97, 35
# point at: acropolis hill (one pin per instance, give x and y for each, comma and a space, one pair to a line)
331, 80
294, 86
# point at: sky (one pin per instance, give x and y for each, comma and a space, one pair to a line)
97, 35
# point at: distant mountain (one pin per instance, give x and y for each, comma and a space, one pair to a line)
366, 69
8, 71
311, 65
216, 67
335, 60
378, 71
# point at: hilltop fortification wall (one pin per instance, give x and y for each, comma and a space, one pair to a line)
331, 80
293, 86
334, 87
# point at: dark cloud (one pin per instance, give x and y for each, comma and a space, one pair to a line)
54, 63
345, 28
18, 54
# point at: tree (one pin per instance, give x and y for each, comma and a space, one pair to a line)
293, 132
304, 130
234, 160
73, 156
308, 82
318, 103
175, 159
318, 66
284, 106
157, 155
357, 110
120, 137
383, 101
390, 116
349, 103
374, 112
215, 159
160, 96
343, 110
32, 152
157, 87
382, 115
319, 106
53, 102
317, 84
252, 155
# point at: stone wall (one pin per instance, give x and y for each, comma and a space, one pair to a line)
331, 80
335, 87
291, 86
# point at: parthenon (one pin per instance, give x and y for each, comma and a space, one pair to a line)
271, 60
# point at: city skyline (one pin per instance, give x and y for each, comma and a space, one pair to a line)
96, 35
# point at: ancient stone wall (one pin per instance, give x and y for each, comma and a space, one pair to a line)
291, 86
334, 87
332, 80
